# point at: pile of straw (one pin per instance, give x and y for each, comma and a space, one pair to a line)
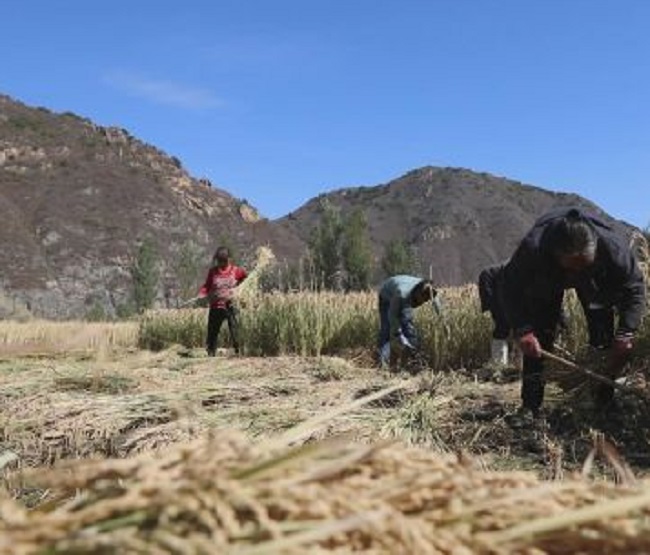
221, 494
47, 426
641, 248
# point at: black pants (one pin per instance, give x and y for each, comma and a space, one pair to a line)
533, 380
216, 316
501, 328
546, 316
600, 322
407, 327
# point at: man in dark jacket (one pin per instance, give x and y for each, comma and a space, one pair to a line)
568, 248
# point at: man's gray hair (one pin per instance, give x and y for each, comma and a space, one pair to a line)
574, 236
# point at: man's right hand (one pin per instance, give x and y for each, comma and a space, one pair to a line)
405, 343
529, 345
619, 353
401, 342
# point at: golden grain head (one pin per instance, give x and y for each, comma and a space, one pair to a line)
223, 494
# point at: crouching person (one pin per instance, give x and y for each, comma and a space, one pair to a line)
398, 297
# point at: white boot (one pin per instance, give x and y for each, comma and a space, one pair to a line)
500, 352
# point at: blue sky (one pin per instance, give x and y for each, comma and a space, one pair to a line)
278, 101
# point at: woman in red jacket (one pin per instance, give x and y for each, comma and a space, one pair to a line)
219, 287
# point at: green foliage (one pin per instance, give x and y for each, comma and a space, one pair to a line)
286, 277
22, 123
326, 323
96, 313
187, 268
125, 311
356, 251
399, 258
161, 329
340, 250
325, 246
145, 275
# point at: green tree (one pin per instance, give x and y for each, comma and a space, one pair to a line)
96, 313
325, 246
356, 251
187, 269
399, 258
283, 276
145, 275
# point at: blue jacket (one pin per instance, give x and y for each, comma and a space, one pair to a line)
396, 291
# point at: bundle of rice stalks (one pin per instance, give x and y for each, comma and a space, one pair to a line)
641, 248
49, 426
97, 382
581, 376
250, 286
327, 369
572, 381
152, 438
222, 495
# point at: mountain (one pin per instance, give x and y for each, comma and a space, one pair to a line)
457, 220
77, 199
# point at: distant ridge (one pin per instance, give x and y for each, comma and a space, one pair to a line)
77, 198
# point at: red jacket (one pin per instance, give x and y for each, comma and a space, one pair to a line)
220, 284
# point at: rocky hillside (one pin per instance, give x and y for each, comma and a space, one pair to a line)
75, 201
457, 220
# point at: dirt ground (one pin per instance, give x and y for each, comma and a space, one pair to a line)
58, 407
117, 404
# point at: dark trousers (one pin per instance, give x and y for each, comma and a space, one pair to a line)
533, 380
600, 323
406, 326
216, 316
501, 328
545, 324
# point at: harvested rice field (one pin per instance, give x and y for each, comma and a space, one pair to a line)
122, 450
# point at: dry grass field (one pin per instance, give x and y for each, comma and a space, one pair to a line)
125, 438
385, 463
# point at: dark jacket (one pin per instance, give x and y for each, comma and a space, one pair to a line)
489, 287
534, 281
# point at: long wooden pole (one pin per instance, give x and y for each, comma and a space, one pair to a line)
595, 376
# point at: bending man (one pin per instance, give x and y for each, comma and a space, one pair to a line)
398, 296
565, 249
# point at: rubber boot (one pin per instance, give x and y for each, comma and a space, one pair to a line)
500, 352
